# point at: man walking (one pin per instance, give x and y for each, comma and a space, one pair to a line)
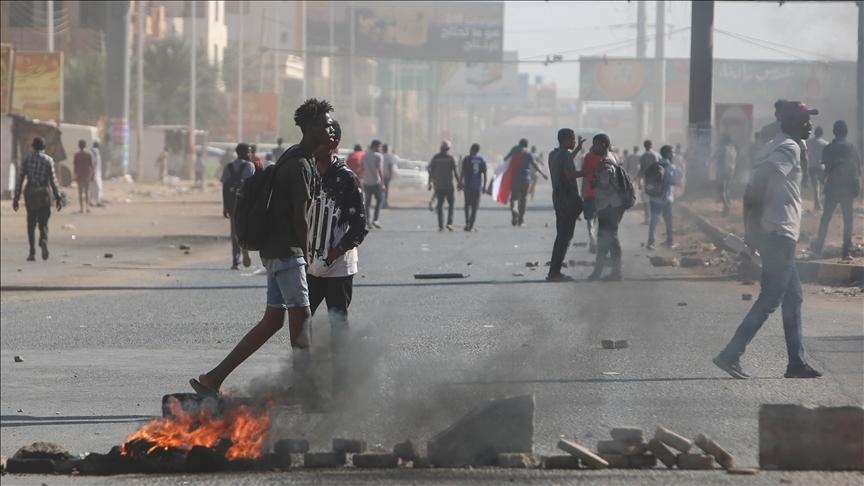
96, 188
610, 208
442, 173
647, 159
388, 172
842, 185
659, 180
83, 166
565, 198
524, 164
38, 169
815, 150
285, 251
473, 179
772, 223
232, 180
725, 160
372, 176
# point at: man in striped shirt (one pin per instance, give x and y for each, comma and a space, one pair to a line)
38, 169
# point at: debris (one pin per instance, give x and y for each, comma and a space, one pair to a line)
324, 459
349, 446
18, 359
607, 344
422, 276
746, 296
405, 451
673, 440
585, 456
622, 344
615, 461
73, 237
184, 247
580, 244
517, 460
616, 344
628, 434
375, 460
713, 449
186, 252
518, 274
620, 447
421, 463
30, 466
611, 373
502, 425
108, 255
68, 226
641, 461
695, 461
532, 264
43, 450
743, 471
201, 459
661, 261
662, 453
291, 446
690, 262
270, 461
559, 462
682, 304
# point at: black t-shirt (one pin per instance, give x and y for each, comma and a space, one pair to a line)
441, 170
565, 190
296, 183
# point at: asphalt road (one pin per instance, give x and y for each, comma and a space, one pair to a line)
96, 364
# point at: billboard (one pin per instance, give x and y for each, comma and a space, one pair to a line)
486, 80
419, 31
37, 86
7, 60
260, 113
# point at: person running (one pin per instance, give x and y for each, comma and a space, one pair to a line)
647, 159
353, 160
772, 225
232, 179
38, 170
442, 173
659, 181
389, 172
816, 149
83, 165
725, 160
610, 208
338, 227
372, 176
96, 188
565, 198
842, 185
524, 165
473, 179
285, 252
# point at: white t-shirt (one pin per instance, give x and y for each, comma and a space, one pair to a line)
372, 163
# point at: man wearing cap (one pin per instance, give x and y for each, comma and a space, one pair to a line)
38, 169
772, 223
442, 174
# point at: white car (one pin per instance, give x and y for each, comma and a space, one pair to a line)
410, 173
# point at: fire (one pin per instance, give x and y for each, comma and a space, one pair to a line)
242, 426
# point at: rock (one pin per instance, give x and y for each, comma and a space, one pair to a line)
517, 460
351, 446
375, 460
607, 344
620, 447
405, 451
291, 446
673, 440
201, 459
743, 471
30, 466
712, 449
690, 262
184, 247
518, 274
324, 459
661, 261
628, 434
794, 437
559, 462
695, 461
746, 296
622, 344
532, 264
186, 252
502, 425
18, 359
43, 450
661, 452
585, 456
108, 255
682, 304
68, 226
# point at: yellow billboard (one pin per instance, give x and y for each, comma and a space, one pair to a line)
37, 87
6, 63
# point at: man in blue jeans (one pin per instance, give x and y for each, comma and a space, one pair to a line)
772, 222
661, 205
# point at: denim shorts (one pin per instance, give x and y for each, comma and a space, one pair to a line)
286, 283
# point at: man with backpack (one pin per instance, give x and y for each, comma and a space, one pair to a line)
232, 179
842, 176
285, 249
772, 224
725, 160
659, 179
614, 194
647, 159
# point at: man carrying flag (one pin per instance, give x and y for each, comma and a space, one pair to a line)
513, 178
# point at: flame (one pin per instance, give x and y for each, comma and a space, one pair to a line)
243, 427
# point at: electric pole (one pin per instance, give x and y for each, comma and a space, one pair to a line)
49, 21
641, 52
117, 84
860, 104
139, 77
660, 54
242, 20
193, 85
701, 73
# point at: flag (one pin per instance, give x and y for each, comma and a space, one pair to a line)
503, 180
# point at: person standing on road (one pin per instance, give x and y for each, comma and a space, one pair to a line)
389, 172
285, 252
338, 227
83, 166
232, 180
353, 161
591, 163
373, 179
473, 179
96, 188
816, 149
842, 185
38, 170
647, 159
278, 150
659, 180
610, 208
442, 173
565, 198
524, 165
772, 224
725, 160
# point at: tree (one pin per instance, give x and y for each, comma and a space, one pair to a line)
84, 88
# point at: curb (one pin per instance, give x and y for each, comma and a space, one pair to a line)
809, 272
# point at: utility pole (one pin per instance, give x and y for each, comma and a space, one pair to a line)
117, 84
242, 20
330, 61
660, 54
701, 73
139, 77
49, 21
193, 85
860, 104
641, 53
351, 49
303, 49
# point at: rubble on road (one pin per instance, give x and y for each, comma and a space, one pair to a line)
691, 262
585, 456
18, 359
517, 460
375, 460
661, 261
559, 462
673, 440
324, 459
695, 461
662, 453
713, 449
351, 446
614, 344
746, 297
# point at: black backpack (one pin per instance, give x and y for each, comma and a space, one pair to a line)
625, 188
655, 180
251, 208
232, 186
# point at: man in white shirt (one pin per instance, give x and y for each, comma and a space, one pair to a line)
389, 172
373, 179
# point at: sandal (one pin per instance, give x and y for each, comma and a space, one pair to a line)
203, 389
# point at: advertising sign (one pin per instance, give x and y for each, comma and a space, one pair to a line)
6, 62
37, 86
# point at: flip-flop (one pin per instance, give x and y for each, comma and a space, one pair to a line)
203, 389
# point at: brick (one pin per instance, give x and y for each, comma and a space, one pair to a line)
713, 449
642, 461
628, 434
588, 458
271, 461
291, 446
517, 460
622, 344
673, 440
792, 437
351, 446
695, 461
743, 471
375, 460
616, 461
559, 462
405, 451
421, 463
620, 447
662, 453
607, 344
324, 459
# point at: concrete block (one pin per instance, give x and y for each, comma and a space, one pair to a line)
622, 344
695, 461
620, 447
517, 460
713, 449
643, 461
350, 446
559, 462
405, 451
792, 437
746, 296
503, 425
616, 461
673, 440
586, 457
607, 344
743, 471
375, 460
661, 452
421, 463
291, 446
324, 459
628, 434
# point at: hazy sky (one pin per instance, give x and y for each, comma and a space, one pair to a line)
795, 30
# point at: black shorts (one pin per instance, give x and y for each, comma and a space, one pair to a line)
589, 210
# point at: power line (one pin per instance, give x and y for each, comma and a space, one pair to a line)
763, 46
778, 45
